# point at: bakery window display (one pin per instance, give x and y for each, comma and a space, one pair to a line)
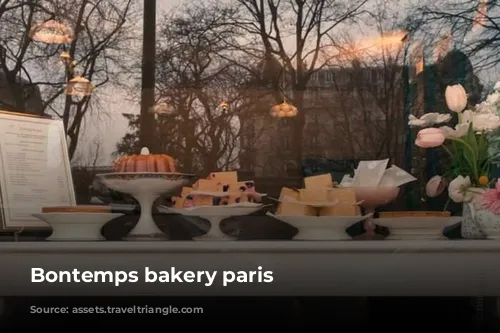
145, 177
219, 196
320, 210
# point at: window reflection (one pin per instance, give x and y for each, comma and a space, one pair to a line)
354, 70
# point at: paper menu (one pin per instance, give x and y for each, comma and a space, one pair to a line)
369, 173
34, 169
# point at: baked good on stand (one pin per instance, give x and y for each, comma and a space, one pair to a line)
145, 163
218, 189
319, 197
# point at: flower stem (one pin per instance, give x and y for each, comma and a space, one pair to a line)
446, 204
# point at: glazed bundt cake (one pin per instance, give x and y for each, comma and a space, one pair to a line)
145, 162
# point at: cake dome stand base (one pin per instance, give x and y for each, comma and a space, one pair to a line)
145, 188
146, 228
215, 233
372, 198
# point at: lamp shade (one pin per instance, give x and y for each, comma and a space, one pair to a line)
162, 109
80, 87
284, 110
65, 58
52, 32
224, 106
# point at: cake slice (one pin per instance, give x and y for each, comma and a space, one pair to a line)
207, 185
318, 182
313, 196
233, 198
340, 210
227, 177
202, 200
186, 191
346, 198
295, 209
178, 202
288, 192
343, 195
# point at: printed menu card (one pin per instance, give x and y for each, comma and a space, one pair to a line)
35, 170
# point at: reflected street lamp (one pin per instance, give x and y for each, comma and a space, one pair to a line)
52, 32
284, 110
79, 87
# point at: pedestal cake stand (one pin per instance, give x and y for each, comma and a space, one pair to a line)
372, 198
215, 215
145, 188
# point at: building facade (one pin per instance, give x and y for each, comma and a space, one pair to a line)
350, 114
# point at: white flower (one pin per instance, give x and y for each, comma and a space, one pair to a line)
456, 98
493, 98
485, 122
467, 117
459, 131
429, 119
458, 190
497, 86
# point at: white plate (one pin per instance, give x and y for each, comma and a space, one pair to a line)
417, 227
321, 227
208, 211
76, 226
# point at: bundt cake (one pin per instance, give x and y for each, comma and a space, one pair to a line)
145, 162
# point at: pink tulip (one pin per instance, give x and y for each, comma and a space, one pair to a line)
435, 186
429, 138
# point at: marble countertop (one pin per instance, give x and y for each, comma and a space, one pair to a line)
387, 246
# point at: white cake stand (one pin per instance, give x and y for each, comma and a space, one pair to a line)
145, 188
321, 228
215, 215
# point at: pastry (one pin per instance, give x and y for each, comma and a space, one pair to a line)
295, 209
319, 192
318, 182
145, 162
235, 191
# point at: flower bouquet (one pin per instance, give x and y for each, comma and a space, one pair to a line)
470, 147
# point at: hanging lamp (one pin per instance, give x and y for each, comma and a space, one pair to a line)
52, 32
284, 110
79, 87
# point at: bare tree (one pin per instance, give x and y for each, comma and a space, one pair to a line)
366, 105
201, 90
101, 36
473, 26
293, 38
89, 157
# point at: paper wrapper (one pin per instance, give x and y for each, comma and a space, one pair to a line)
371, 170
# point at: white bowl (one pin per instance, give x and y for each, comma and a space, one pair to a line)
321, 228
76, 226
417, 227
